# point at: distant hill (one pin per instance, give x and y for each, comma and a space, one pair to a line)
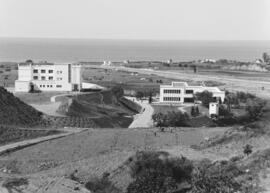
15, 112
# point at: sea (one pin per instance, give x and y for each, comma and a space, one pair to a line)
97, 50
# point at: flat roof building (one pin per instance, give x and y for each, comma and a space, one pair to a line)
48, 77
181, 92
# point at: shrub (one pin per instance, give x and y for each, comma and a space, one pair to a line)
118, 91
247, 149
139, 95
171, 119
255, 108
194, 111
102, 185
156, 172
206, 97
217, 177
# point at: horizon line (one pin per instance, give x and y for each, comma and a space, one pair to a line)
129, 39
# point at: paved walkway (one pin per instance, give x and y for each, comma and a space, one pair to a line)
144, 118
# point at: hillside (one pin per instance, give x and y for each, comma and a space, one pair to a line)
15, 112
106, 109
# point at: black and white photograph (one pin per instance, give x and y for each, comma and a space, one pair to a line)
134, 96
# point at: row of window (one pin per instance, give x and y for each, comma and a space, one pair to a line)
43, 78
189, 91
42, 71
167, 91
171, 99
172, 91
50, 86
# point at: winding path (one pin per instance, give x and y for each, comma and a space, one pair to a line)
144, 118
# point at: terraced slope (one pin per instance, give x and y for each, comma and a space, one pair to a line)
106, 109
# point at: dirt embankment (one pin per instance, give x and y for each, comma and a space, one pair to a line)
105, 108
15, 112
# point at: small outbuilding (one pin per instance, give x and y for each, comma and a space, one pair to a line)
213, 109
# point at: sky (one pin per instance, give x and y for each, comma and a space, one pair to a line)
137, 19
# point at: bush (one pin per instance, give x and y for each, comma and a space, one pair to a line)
254, 108
118, 91
171, 119
102, 185
139, 95
156, 172
206, 97
213, 178
247, 149
194, 111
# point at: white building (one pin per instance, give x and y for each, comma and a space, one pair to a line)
48, 77
213, 109
181, 92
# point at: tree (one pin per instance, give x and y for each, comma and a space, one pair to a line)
171, 119
159, 119
150, 100
197, 112
139, 95
265, 57
206, 97
29, 61
254, 108
195, 69
192, 111
224, 111
118, 91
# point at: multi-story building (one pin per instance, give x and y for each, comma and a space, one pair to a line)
48, 77
181, 92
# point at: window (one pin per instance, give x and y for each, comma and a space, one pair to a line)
43, 71
51, 86
59, 78
48, 86
50, 71
43, 86
35, 77
35, 71
50, 78
58, 86
172, 91
174, 99
43, 78
40, 86
189, 91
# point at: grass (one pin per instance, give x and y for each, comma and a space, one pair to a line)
104, 149
164, 108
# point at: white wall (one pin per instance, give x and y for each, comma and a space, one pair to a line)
22, 86
24, 72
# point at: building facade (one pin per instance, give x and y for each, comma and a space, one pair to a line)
48, 77
181, 92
